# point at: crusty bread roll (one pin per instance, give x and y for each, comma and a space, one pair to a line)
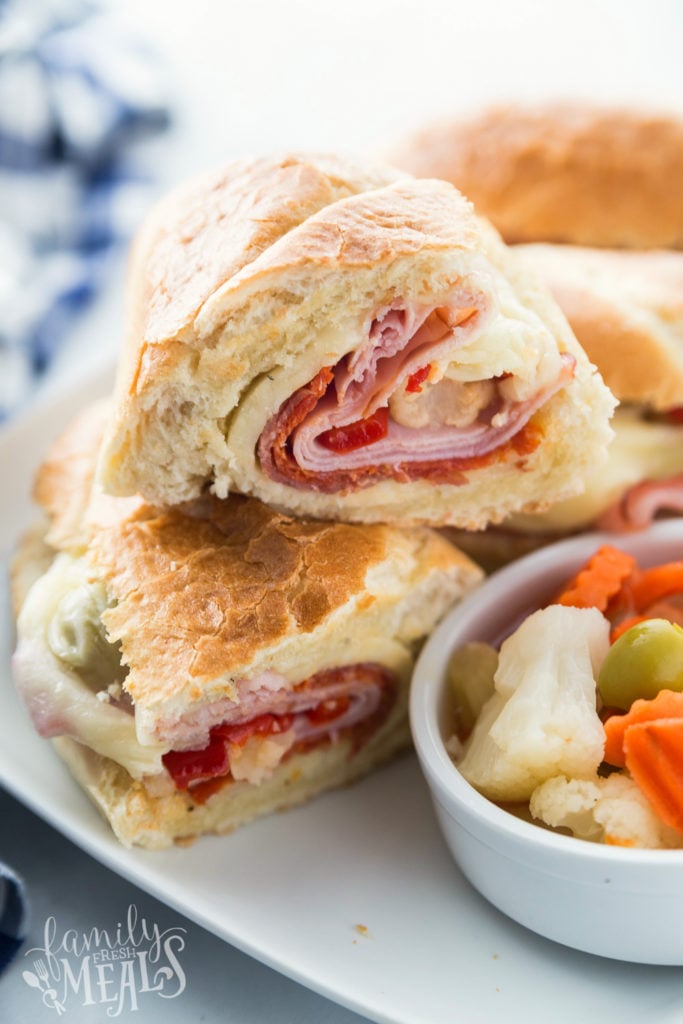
204, 664
626, 309
348, 345
562, 172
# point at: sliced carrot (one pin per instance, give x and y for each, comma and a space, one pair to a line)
653, 584
625, 625
667, 704
600, 579
615, 727
654, 757
622, 603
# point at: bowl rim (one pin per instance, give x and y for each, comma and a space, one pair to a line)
448, 785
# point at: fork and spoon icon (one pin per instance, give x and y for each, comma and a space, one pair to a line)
41, 980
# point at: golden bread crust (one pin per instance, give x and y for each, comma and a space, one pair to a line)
205, 591
626, 309
198, 597
185, 253
201, 598
563, 172
208, 229
368, 229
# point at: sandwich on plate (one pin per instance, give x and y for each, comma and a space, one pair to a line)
345, 342
200, 665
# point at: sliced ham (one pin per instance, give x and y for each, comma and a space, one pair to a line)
402, 340
361, 684
639, 506
351, 700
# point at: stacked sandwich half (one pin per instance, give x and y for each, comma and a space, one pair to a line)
220, 613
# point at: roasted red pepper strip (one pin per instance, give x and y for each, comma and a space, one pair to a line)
189, 766
417, 379
356, 435
262, 725
328, 710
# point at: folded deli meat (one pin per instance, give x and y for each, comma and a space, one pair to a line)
350, 343
200, 665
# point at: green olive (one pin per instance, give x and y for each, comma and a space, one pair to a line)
470, 679
647, 658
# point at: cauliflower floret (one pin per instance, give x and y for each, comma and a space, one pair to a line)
611, 810
542, 719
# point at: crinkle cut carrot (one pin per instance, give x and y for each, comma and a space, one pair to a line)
667, 704
600, 579
654, 757
653, 584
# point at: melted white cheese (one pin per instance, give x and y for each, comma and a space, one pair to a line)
58, 653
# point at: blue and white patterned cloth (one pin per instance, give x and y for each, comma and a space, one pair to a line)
13, 914
78, 93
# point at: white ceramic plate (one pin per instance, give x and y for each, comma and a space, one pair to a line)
291, 889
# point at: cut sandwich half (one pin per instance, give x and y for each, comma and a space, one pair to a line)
203, 665
626, 309
346, 346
